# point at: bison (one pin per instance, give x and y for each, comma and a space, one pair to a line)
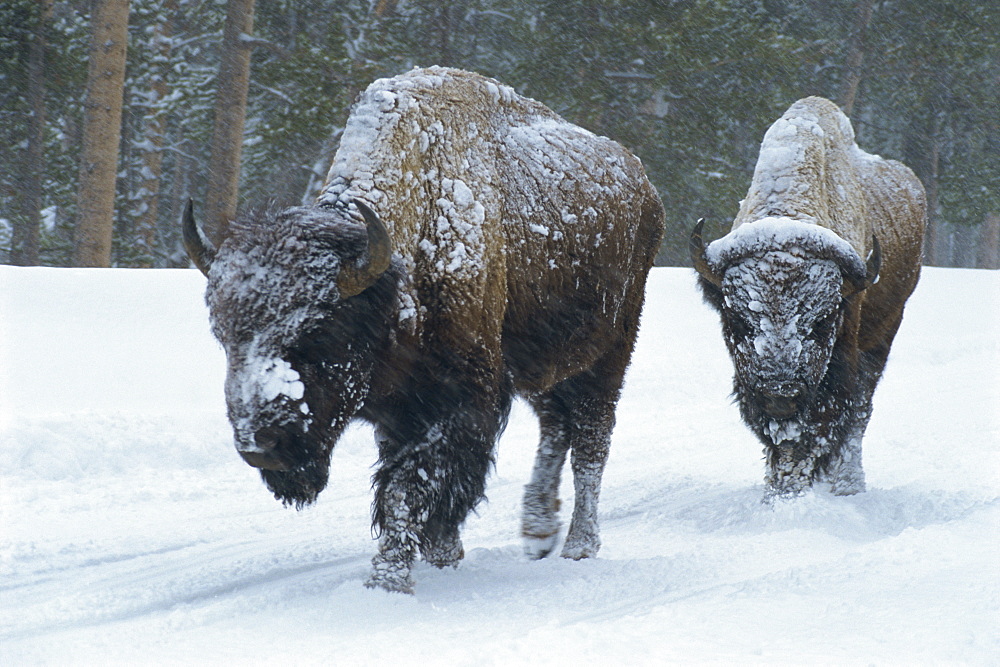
810, 284
468, 246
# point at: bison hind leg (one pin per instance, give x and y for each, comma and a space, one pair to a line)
540, 508
590, 453
540, 513
574, 416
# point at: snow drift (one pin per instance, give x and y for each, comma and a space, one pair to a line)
130, 531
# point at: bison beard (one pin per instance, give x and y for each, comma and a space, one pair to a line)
320, 354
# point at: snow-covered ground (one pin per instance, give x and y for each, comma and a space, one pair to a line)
131, 532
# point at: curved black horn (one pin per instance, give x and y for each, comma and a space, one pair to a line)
855, 284
874, 264
356, 278
696, 244
198, 248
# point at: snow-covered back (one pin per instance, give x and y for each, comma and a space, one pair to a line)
132, 533
810, 169
476, 184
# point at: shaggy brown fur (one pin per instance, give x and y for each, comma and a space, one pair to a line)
808, 333
521, 246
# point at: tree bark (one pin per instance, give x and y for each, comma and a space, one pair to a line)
230, 115
856, 46
25, 234
101, 133
921, 152
988, 250
155, 130
384, 7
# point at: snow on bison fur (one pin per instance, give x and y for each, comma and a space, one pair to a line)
469, 245
808, 322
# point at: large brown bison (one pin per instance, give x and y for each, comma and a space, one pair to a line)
469, 246
810, 284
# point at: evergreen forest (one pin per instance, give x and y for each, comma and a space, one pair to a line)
688, 85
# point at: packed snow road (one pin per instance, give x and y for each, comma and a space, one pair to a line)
130, 531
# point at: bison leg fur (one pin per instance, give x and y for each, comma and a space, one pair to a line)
540, 518
397, 545
570, 420
590, 454
425, 489
445, 551
845, 474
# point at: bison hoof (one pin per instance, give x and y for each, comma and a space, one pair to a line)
390, 576
445, 554
538, 547
581, 545
847, 488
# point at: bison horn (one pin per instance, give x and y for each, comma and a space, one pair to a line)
855, 284
697, 247
356, 278
198, 248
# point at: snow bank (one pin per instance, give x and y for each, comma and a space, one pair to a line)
132, 532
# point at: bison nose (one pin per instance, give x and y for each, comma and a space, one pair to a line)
780, 407
269, 442
781, 402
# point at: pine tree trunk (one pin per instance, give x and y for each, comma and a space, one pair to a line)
156, 126
25, 234
230, 114
856, 46
921, 152
988, 248
101, 133
179, 192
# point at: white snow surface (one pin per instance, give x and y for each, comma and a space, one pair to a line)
132, 533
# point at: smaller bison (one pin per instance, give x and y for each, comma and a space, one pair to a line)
807, 320
469, 246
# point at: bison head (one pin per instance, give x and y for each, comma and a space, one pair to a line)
298, 298
782, 288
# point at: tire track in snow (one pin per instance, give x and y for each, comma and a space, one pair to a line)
160, 580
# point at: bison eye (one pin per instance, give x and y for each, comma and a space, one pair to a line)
739, 326
825, 327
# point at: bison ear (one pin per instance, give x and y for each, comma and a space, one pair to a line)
199, 249
357, 277
855, 284
696, 244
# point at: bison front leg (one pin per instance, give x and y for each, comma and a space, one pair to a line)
825, 449
398, 541
845, 475
404, 533
844, 472
425, 489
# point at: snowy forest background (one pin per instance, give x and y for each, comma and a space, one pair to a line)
688, 85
